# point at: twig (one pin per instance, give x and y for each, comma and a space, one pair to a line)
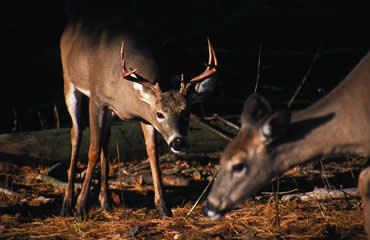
280, 193
56, 113
324, 178
42, 122
202, 194
351, 170
258, 69
304, 79
227, 122
15, 119
320, 207
141, 166
52, 168
345, 196
198, 119
277, 217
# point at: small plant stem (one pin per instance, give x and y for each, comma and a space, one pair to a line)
202, 194
304, 78
258, 69
277, 218
56, 113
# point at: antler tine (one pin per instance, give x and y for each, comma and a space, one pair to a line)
182, 83
124, 73
210, 70
213, 54
155, 88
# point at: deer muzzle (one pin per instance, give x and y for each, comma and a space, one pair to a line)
212, 212
178, 144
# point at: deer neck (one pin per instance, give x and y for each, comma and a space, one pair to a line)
302, 143
336, 124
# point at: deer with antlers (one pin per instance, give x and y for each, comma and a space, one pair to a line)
120, 75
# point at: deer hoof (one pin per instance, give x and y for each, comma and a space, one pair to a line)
66, 208
80, 215
163, 209
164, 212
104, 205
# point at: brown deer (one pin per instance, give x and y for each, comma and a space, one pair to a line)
271, 142
119, 73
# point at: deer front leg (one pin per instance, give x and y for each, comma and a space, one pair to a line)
151, 148
69, 193
73, 102
104, 200
96, 122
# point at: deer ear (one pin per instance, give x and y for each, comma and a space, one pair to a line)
202, 90
255, 108
276, 125
145, 94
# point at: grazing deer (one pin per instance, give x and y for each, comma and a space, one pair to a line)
120, 75
269, 143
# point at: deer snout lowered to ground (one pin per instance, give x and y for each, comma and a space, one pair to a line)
120, 75
270, 143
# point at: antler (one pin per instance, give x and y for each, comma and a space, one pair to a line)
124, 73
210, 70
155, 88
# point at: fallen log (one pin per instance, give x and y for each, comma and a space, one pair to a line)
122, 180
227, 122
57, 184
323, 194
146, 179
213, 129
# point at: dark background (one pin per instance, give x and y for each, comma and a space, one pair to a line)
290, 32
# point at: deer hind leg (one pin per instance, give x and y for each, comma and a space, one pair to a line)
104, 201
96, 113
364, 189
151, 148
73, 102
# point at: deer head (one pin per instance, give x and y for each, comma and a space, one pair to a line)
169, 111
246, 161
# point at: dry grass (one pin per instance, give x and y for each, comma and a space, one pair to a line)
336, 219
298, 220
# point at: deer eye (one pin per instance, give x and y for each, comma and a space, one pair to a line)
160, 115
238, 168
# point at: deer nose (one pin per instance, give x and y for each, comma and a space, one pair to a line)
210, 211
178, 144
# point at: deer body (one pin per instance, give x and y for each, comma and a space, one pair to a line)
269, 143
119, 73
94, 61
347, 131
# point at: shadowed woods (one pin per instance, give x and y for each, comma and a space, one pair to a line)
30, 202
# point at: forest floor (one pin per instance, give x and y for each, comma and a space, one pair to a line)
31, 194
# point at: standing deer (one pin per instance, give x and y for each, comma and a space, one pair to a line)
117, 70
269, 143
